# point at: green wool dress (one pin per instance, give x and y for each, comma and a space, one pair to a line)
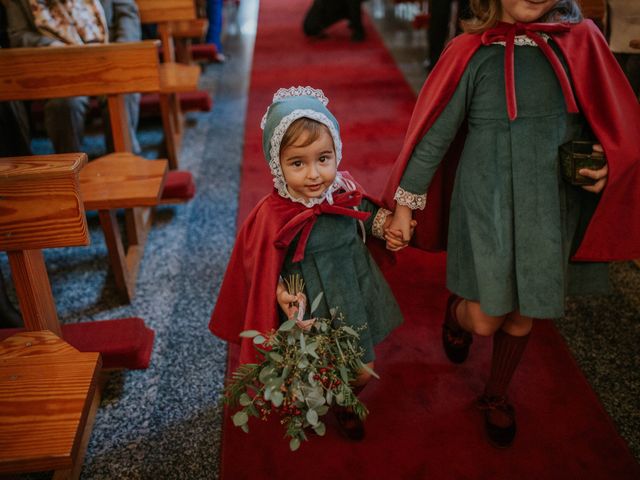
513, 222
337, 263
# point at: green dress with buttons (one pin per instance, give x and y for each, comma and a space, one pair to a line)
337, 263
513, 221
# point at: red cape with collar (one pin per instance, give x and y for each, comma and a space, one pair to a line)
610, 107
247, 299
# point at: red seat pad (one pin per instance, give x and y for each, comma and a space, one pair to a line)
179, 185
204, 51
123, 343
197, 101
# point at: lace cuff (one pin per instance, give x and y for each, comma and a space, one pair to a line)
411, 200
377, 229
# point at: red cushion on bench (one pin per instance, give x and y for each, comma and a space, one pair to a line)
123, 343
179, 185
198, 101
204, 51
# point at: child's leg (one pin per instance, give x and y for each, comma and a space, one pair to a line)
509, 343
363, 378
350, 424
463, 317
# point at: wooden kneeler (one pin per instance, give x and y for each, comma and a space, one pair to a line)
48, 389
115, 181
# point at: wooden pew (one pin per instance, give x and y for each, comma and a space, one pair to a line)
170, 15
114, 181
596, 10
48, 389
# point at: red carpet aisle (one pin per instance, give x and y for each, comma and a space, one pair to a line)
422, 423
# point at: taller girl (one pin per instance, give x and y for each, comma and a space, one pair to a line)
526, 77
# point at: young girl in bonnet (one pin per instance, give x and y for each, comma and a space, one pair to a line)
314, 223
526, 78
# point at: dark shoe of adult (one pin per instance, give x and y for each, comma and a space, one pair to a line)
455, 340
499, 420
349, 423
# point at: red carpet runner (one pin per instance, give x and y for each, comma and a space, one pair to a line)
423, 424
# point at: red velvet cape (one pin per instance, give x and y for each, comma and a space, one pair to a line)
609, 105
247, 299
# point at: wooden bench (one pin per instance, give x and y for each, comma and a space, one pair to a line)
169, 16
114, 181
48, 389
596, 10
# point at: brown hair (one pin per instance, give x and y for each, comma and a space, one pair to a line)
300, 126
487, 13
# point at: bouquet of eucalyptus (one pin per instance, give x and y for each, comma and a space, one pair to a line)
304, 372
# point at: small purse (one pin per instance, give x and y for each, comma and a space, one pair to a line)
578, 154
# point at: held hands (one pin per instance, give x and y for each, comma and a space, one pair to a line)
398, 228
599, 175
293, 306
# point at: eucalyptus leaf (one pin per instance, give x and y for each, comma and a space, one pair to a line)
312, 380
277, 398
329, 396
245, 400
312, 417
368, 369
286, 326
259, 339
276, 356
343, 374
304, 363
316, 302
266, 373
350, 331
320, 429
240, 418
303, 343
294, 444
267, 393
249, 333
245, 428
322, 409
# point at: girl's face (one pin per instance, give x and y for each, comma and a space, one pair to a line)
525, 11
311, 169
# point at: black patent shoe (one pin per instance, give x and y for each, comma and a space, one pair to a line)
349, 424
455, 340
499, 420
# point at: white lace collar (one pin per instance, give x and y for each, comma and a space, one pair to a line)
525, 41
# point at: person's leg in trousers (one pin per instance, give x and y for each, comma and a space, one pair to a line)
320, 16
64, 122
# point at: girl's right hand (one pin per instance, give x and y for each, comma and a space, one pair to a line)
286, 300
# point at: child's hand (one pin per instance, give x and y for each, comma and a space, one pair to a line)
399, 227
394, 238
599, 175
290, 305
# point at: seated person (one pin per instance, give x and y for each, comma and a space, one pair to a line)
38, 23
624, 26
324, 13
